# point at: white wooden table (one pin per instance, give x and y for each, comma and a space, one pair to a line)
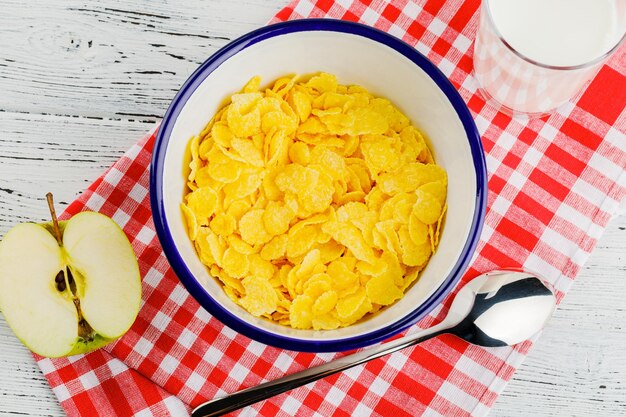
81, 81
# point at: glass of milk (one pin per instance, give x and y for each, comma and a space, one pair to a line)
531, 56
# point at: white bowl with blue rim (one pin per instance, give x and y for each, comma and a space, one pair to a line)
356, 54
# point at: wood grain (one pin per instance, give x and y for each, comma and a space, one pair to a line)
82, 81
117, 59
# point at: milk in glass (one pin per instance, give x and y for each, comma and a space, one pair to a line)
533, 55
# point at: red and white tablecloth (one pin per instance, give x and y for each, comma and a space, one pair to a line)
554, 184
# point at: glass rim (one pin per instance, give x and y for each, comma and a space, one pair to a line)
587, 64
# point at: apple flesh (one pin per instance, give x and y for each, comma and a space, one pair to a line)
70, 290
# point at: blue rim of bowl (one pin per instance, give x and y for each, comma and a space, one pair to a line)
197, 290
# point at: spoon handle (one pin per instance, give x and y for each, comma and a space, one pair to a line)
240, 399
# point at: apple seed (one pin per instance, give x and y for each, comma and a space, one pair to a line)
70, 281
60, 281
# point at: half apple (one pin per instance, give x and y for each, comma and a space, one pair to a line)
68, 287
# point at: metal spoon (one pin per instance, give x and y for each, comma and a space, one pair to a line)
499, 308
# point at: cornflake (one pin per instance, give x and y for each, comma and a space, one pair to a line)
315, 204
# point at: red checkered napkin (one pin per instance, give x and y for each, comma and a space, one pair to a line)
554, 184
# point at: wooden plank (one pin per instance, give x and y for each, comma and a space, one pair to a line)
41, 153
112, 58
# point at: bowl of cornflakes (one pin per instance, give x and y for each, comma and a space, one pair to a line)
318, 185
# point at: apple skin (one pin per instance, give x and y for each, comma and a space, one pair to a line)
39, 314
81, 346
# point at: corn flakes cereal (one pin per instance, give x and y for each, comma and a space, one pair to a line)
260, 297
301, 314
314, 203
252, 229
190, 221
202, 202
234, 263
223, 224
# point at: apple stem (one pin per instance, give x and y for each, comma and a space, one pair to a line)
55, 222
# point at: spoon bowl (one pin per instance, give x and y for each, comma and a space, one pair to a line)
499, 308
